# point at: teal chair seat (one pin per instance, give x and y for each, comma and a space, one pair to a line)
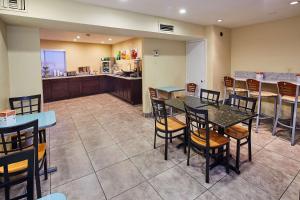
54, 196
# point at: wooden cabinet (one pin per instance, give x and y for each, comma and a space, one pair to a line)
129, 90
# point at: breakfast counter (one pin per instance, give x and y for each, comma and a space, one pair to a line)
128, 89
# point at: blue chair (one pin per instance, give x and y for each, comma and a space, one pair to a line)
54, 196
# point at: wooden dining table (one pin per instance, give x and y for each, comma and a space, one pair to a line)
220, 115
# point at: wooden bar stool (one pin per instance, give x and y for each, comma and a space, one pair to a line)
289, 93
255, 90
229, 84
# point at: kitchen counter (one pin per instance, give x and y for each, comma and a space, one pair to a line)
92, 75
128, 89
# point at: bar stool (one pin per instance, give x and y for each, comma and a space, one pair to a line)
289, 93
229, 84
254, 90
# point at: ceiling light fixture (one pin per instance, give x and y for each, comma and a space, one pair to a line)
294, 2
109, 39
74, 39
102, 42
78, 36
182, 11
219, 20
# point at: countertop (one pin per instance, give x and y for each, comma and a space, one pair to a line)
80, 76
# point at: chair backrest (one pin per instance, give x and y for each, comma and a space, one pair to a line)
26, 137
195, 120
228, 81
8, 179
26, 104
191, 87
153, 93
242, 103
286, 89
252, 85
210, 95
159, 112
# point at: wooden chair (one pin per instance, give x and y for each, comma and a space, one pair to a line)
166, 126
210, 96
254, 90
289, 94
239, 132
28, 105
204, 139
191, 88
24, 142
229, 85
9, 178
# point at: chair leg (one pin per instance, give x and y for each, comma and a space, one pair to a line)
166, 146
294, 124
185, 140
249, 149
30, 188
154, 144
258, 114
38, 183
227, 157
277, 116
7, 192
237, 161
171, 139
189, 153
45, 167
207, 166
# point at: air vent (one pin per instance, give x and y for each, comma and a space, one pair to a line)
166, 28
18, 5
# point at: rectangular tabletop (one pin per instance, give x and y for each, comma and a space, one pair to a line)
46, 119
221, 115
170, 89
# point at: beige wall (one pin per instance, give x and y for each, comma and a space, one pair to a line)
168, 69
24, 61
4, 73
267, 47
135, 43
80, 54
218, 56
270, 47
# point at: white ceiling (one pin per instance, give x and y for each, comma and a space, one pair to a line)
57, 35
235, 13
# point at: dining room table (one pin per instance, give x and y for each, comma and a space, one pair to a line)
45, 120
219, 115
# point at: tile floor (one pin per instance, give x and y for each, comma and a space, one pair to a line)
103, 149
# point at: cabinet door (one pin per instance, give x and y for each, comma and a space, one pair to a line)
60, 89
74, 87
47, 95
90, 85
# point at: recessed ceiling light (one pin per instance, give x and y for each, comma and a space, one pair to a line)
124, 0
219, 20
74, 39
78, 36
182, 11
109, 39
102, 42
294, 2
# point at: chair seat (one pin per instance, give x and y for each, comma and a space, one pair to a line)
263, 94
236, 89
23, 164
290, 99
215, 139
173, 125
237, 132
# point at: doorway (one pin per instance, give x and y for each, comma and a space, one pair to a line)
196, 63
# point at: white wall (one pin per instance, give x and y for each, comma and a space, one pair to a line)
168, 69
4, 73
24, 61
